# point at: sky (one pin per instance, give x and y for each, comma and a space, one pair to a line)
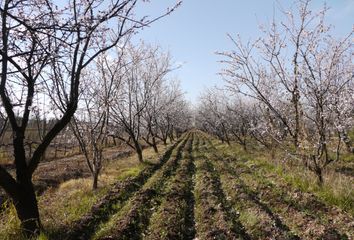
199, 28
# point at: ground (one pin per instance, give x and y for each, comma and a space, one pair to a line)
197, 189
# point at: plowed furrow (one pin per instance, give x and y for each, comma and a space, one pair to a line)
212, 219
170, 219
120, 193
281, 213
131, 221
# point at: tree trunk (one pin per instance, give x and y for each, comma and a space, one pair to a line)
155, 148
272, 152
227, 139
226, 135
297, 119
154, 145
140, 155
347, 141
24, 197
27, 209
139, 151
244, 145
55, 152
95, 180
319, 175
171, 137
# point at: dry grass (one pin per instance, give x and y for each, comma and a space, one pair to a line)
4, 157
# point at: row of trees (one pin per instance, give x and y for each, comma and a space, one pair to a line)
292, 89
52, 50
127, 96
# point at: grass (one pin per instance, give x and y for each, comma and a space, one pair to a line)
130, 172
277, 182
211, 216
10, 222
169, 221
156, 181
249, 218
5, 157
336, 191
68, 203
59, 207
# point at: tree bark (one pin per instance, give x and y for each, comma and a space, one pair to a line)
139, 151
27, 209
95, 180
347, 141
227, 139
319, 175
171, 137
154, 145
140, 155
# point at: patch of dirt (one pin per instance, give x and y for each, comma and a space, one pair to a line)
258, 223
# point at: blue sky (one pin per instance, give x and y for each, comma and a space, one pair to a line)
198, 28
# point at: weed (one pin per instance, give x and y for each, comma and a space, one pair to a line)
10, 229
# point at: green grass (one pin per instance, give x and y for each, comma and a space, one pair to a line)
156, 182
347, 158
249, 218
130, 172
337, 190
333, 192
